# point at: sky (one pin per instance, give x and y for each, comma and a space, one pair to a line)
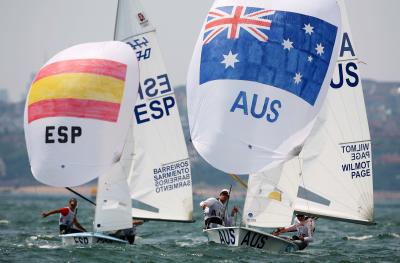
33, 31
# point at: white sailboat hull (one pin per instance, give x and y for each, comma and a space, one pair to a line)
247, 237
89, 239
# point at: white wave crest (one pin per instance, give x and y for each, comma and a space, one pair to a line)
360, 238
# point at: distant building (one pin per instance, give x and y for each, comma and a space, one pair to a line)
3, 95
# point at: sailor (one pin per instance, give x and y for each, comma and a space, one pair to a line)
215, 210
67, 218
305, 228
128, 233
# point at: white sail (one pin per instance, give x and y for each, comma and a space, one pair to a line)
131, 20
80, 97
160, 179
337, 168
256, 84
271, 195
113, 201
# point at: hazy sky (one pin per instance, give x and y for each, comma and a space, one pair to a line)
33, 31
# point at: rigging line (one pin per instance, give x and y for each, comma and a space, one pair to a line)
81, 196
177, 161
172, 93
344, 143
116, 21
238, 180
346, 60
302, 179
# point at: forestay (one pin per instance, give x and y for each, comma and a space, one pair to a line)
258, 77
160, 179
337, 171
78, 98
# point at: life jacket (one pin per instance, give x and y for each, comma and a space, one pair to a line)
216, 213
67, 217
215, 209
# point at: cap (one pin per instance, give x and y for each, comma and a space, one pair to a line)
224, 191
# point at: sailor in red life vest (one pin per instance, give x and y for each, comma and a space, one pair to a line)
67, 218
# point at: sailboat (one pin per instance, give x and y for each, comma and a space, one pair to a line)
154, 165
79, 97
248, 109
332, 176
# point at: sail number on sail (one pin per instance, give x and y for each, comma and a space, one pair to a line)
140, 43
359, 159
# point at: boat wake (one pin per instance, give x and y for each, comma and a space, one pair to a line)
4, 222
189, 241
366, 237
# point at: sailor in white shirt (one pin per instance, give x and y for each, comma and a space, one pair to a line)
215, 213
305, 228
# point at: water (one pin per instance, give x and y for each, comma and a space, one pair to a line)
26, 237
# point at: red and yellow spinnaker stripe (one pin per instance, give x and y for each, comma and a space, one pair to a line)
83, 88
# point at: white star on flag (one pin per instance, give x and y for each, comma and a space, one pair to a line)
310, 59
230, 60
308, 28
297, 78
287, 44
320, 49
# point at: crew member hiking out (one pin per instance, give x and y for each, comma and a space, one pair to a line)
215, 212
67, 218
305, 228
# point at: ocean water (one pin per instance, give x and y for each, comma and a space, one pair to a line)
27, 237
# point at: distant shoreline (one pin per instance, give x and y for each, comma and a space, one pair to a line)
198, 190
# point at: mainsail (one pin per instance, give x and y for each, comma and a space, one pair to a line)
160, 178
337, 167
80, 97
258, 77
333, 178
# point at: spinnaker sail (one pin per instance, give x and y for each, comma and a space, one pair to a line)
77, 112
258, 78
